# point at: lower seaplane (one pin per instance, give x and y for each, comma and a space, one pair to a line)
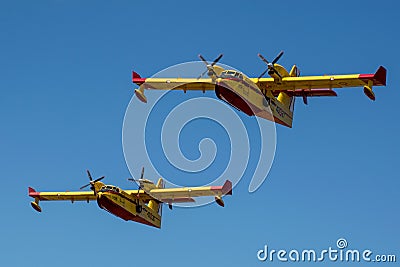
269, 98
143, 205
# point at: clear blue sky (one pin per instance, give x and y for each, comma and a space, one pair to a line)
65, 79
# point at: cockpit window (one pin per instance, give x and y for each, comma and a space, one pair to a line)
107, 188
229, 73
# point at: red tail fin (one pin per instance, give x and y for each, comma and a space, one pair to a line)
227, 188
380, 76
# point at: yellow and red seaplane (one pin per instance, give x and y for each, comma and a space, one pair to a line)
270, 98
143, 205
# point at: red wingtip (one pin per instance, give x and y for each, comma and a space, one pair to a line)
227, 188
380, 76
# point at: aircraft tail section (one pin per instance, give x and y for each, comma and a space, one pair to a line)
288, 101
294, 72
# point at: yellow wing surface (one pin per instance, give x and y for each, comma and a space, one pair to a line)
73, 196
184, 194
317, 85
185, 84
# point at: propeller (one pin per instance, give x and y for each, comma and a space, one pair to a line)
92, 182
210, 67
137, 180
270, 65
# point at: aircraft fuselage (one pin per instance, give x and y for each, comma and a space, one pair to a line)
127, 207
243, 94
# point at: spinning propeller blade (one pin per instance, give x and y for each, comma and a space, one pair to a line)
138, 180
277, 57
92, 182
210, 67
216, 60
203, 59
262, 74
270, 65
263, 58
90, 176
142, 174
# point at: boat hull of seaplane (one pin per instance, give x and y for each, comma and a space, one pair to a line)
127, 209
248, 98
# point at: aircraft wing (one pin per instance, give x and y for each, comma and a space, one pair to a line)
185, 194
321, 85
202, 84
72, 196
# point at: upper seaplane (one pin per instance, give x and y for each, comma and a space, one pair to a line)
143, 205
270, 98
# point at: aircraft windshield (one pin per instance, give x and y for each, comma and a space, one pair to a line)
231, 74
109, 188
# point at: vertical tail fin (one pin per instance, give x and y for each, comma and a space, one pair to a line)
286, 100
160, 183
294, 72
154, 204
